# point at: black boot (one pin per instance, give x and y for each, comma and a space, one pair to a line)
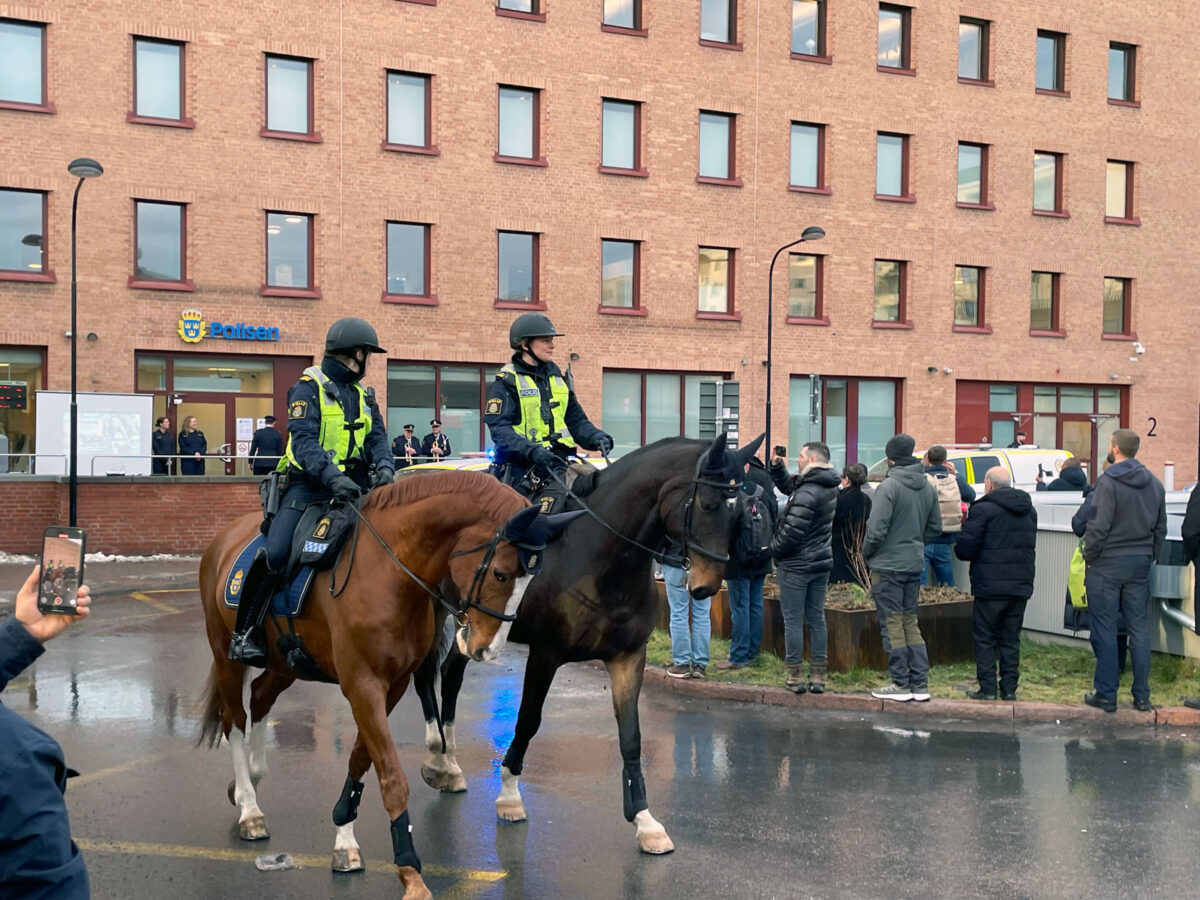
246, 644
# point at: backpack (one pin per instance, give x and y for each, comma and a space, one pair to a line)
752, 541
949, 501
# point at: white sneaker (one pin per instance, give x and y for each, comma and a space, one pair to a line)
893, 692
921, 694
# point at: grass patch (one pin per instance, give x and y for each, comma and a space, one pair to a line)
1050, 673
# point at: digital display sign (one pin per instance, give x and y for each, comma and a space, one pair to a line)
14, 395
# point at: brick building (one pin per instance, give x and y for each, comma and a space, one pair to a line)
1006, 189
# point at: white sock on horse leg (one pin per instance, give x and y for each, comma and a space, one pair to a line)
510, 791
344, 840
258, 750
243, 788
646, 823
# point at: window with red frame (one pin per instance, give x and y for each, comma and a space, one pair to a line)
621, 136
807, 170
519, 132
718, 148
623, 14
891, 167
1051, 72
716, 281
969, 284
808, 29
894, 51
620, 274
158, 82
1118, 193
289, 98
160, 251
718, 22
407, 260
23, 65
805, 289
1047, 182
973, 175
23, 239
973, 57
1044, 303
1122, 73
289, 253
517, 269
409, 111
1118, 300
891, 292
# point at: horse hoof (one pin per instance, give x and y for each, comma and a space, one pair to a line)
655, 842
450, 782
510, 811
414, 887
347, 860
253, 829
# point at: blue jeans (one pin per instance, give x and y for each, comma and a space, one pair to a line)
746, 617
689, 645
802, 600
1120, 588
939, 558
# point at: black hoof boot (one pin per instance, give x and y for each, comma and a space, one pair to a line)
246, 648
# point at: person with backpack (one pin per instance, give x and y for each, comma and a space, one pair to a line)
953, 491
749, 564
803, 551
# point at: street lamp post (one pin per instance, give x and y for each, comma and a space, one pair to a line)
81, 168
812, 233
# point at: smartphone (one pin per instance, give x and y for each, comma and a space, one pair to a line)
781, 450
62, 570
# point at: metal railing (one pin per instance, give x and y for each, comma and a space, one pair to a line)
222, 454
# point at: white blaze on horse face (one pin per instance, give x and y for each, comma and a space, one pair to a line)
510, 609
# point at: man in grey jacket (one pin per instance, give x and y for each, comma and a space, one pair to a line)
1124, 535
904, 517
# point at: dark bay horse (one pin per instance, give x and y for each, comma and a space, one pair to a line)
594, 599
446, 528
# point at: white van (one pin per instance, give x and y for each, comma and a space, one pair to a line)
973, 461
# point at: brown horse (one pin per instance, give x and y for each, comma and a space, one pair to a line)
460, 533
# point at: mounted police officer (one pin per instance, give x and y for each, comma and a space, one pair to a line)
337, 449
531, 411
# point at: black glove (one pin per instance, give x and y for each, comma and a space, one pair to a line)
545, 459
345, 488
603, 442
383, 476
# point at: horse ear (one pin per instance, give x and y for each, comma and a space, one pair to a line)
714, 456
745, 454
517, 529
549, 526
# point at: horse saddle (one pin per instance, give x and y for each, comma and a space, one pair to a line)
288, 598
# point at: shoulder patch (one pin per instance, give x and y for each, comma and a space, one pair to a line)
306, 378
494, 406
298, 409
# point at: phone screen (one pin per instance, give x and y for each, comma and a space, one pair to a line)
62, 570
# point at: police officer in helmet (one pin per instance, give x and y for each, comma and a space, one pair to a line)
531, 411
337, 449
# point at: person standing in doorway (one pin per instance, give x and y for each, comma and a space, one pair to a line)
162, 444
192, 443
267, 447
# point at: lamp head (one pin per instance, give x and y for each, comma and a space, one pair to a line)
85, 168
812, 233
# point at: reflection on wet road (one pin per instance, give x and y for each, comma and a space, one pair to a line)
761, 802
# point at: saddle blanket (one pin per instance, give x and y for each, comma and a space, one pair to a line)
288, 599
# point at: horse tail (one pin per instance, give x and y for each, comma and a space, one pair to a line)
213, 708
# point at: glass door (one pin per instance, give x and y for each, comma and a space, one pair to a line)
835, 422
248, 415
1078, 438
211, 419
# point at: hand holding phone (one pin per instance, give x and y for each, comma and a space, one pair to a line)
61, 570
42, 627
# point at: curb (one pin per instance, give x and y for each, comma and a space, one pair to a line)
1021, 711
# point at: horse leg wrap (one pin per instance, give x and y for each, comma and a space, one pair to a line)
633, 789
346, 810
403, 853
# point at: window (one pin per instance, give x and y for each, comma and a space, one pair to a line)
158, 83
969, 284
289, 255
890, 292
1121, 73
1051, 62
855, 417
972, 176
623, 15
289, 98
891, 167
621, 138
519, 132
808, 157
160, 254
895, 38
517, 268
454, 394
1118, 193
407, 261
409, 113
1043, 303
973, 50
805, 300
718, 22
23, 66
521, 9
808, 29
718, 148
620, 275
716, 282
639, 408
1117, 306
1048, 183
23, 237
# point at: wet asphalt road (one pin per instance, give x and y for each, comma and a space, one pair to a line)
761, 802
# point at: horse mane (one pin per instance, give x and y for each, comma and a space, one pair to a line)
490, 496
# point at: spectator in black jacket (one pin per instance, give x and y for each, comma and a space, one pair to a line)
162, 444
999, 539
850, 525
406, 448
192, 443
803, 551
1071, 477
744, 576
267, 447
938, 562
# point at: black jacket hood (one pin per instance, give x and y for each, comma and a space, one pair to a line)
1011, 499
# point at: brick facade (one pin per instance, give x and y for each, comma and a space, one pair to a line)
229, 175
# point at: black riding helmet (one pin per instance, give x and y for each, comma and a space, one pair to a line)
345, 335
528, 326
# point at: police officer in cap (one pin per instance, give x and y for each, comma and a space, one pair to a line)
337, 449
531, 411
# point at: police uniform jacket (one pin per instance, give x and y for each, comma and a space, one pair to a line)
442, 442
398, 450
191, 442
502, 413
267, 443
304, 428
163, 444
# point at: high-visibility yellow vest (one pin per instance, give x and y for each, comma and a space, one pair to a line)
532, 426
335, 437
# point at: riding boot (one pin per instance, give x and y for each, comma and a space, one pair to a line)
795, 679
816, 678
247, 643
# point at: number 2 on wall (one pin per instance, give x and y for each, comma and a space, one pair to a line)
1153, 424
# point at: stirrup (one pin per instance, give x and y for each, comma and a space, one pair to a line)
244, 648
